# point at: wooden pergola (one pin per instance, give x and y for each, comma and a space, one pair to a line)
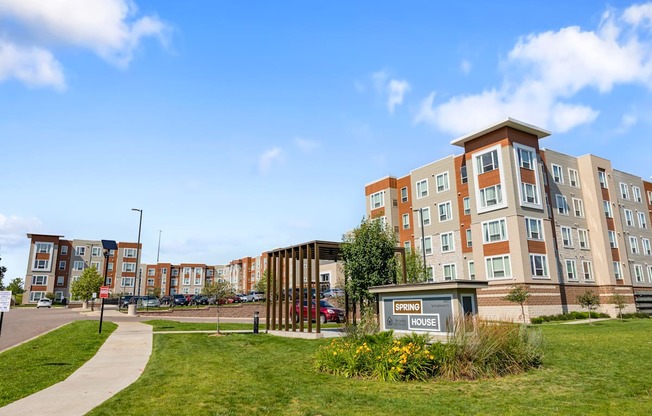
288, 268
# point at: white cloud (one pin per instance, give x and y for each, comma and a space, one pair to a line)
305, 144
34, 66
379, 80
109, 28
269, 157
465, 66
545, 70
13, 229
396, 89
627, 121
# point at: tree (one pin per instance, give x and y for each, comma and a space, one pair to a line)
590, 301
219, 290
520, 295
368, 258
16, 286
414, 267
261, 285
89, 282
3, 270
619, 300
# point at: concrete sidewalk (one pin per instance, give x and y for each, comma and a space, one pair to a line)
117, 364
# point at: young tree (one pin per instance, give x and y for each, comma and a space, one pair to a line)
219, 290
368, 258
89, 282
16, 286
619, 300
3, 270
520, 295
414, 267
590, 301
261, 285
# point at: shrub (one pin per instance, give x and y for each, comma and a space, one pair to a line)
567, 317
639, 315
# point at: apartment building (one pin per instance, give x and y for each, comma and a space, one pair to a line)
509, 212
54, 263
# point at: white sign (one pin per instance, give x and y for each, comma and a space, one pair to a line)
5, 300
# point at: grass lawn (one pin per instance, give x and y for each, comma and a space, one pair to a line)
600, 369
165, 325
49, 359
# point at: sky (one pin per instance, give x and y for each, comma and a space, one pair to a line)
240, 127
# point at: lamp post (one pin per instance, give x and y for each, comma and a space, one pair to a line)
90, 264
423, 238
132, 309
108, 246
158, 251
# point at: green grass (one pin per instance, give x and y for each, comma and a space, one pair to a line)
49, 359
604, 368
165, 325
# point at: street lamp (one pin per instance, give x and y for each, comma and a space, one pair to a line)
423, 238
108, 246
140, 223
90, 264
158, 251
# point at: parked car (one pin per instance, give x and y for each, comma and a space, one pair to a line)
126, 300
166, 300
149, 302
241, 297
255, 296
44, 303
180, 300
199, 300
327, 312
334, 293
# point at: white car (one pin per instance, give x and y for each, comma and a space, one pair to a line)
43, 303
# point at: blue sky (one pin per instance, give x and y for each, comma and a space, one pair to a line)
243, 126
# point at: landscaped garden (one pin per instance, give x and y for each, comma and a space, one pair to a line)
604, 368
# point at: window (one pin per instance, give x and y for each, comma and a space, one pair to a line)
525, 158
637, 194
197, 280
602, 178
325, 277
404, 194
562, 205
41, 265
624, 191
62, 265
43, 247
80, 251
442, 182
633, 244
422, 188
60, 280
64, 250
36, 296
426, 215
175, 272
110, 266
573, 178
39, 280
587, 269
464, 176
647, 250
571, 271
109, 280
209, 272
151, 272
406, 221
408, 246
467, 205
629, 218
469, 241
530, 194
613, 242
198, 270
128, 267
538, 265
96, 252
534, 228
584, 238
378, 200
78, 265
557, 174
566, 237
111, 253
130, 252
173, 282
578, 207
498, 267
96, 264
638, 273
450, 272
164, 271
642, 220
491, 195
617, 273
127, 282
471, 270
186, 280
445, 211
493, 231
607, 209
447, 243
186, 270
150, 281
649, 197
487, 161
427, 245
430, 273
649, 273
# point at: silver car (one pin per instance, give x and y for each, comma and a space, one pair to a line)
149, 302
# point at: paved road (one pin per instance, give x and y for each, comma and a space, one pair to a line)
22, 324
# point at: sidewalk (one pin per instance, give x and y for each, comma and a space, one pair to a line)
117, 364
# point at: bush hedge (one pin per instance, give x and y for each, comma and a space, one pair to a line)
474, 350
639, 315
571, 316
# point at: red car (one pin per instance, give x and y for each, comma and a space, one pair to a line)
327, 312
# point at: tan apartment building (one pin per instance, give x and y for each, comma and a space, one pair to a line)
509, 212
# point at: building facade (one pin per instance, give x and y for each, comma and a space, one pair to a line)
509, 212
